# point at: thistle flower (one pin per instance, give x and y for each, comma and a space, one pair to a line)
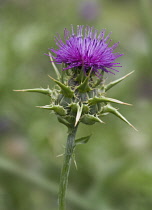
79, 96
86, 49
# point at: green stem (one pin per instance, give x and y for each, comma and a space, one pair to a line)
70, 145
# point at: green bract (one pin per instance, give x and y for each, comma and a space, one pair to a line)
80, 97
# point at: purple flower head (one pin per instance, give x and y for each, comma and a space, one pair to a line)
86, 49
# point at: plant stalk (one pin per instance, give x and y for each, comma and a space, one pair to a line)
70, 145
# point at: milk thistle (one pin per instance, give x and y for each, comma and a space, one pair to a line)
79, 95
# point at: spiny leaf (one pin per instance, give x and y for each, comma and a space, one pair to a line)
64, 121
63, 73
37, 90
90, 119
84, 87
114, 111
74, 107
111, 84
80, 76
100, 81
85, 109
82, 140
57, 108
55, 68
96, 100
66, 91
79, 112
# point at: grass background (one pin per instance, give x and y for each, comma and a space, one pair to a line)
115, 166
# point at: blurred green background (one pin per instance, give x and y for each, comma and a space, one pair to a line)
115, 166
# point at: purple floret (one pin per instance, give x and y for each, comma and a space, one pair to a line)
86, 49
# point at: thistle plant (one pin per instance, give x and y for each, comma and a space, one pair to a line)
80, 91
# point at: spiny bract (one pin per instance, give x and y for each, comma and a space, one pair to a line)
80, 96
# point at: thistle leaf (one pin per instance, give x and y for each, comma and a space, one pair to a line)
84, 86
64, 121
90, 119
74, 107
82, 140
66, 91
55, 68
79, 112
111, 84
96, 100
85, 109
114, 111
37, 90
58, 109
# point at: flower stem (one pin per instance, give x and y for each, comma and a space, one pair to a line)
70, 145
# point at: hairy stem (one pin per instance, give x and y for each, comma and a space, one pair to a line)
70, 145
